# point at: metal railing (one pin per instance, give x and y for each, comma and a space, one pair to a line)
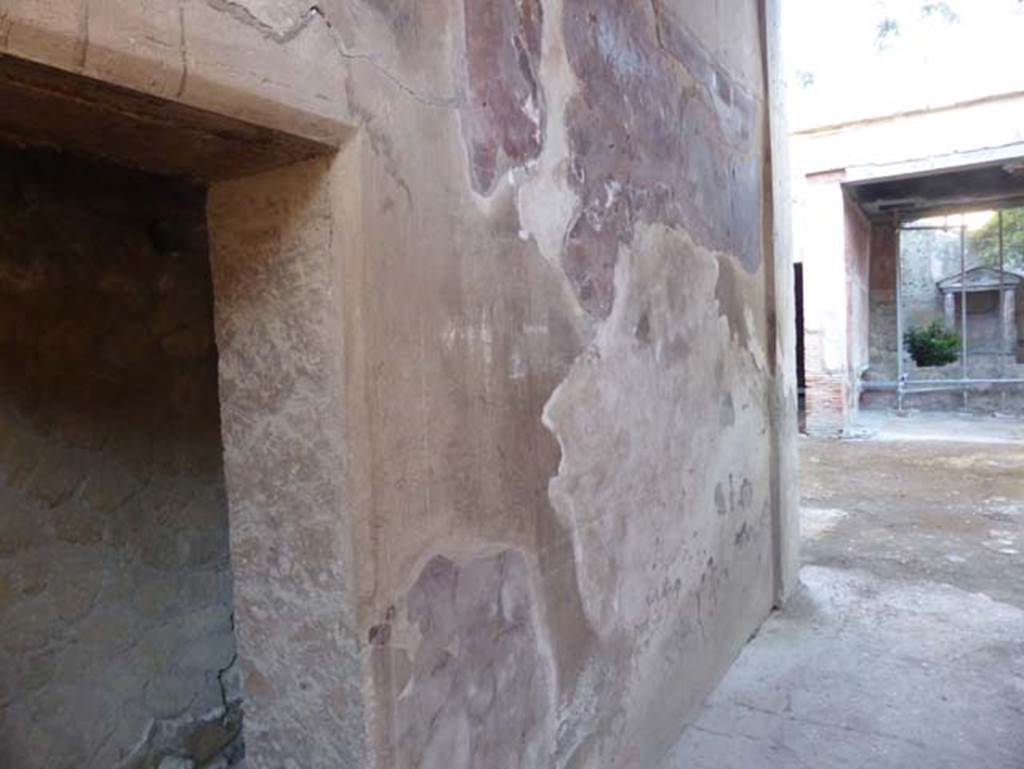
903, 385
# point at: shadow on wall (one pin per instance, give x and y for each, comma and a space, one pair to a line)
116, 639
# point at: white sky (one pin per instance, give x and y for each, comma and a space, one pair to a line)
973, 220
839, 69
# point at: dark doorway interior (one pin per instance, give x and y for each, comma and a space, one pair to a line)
116, 637
801, 376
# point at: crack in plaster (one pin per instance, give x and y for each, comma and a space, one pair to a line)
6, 25
244, 15
183, 49
83, 49
656, 10
751, 738
452, 101
100, 745
828, 725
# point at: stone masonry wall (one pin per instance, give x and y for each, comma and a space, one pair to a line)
115, 589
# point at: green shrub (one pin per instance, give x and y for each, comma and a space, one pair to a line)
933, 345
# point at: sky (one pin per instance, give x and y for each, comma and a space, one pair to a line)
973, 220
848, 59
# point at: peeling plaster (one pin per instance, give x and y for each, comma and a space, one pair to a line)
637, 482
280, 22
461, 665
684, 330
545, 200
658, 133
504, 118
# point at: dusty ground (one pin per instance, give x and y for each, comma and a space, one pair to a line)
904, 646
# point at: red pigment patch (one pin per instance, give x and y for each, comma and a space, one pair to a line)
503, 120
659, 132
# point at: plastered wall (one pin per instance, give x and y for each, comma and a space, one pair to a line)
501, 380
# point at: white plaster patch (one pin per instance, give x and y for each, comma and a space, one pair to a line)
478, 337
754, 344
517, 366
816, 522
1002, 541
1004, 507
546, 201
640, 402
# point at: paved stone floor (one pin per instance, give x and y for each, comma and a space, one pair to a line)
904, 646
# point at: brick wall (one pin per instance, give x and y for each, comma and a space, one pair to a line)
826, 404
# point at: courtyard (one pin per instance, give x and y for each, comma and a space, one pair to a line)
903, 646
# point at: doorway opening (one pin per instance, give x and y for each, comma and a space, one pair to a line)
801, 372
116, 603
946, 335
117, 630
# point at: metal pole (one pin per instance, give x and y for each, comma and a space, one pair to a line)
955, 384
963, 304
1002, 318
899, 315
923, 228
